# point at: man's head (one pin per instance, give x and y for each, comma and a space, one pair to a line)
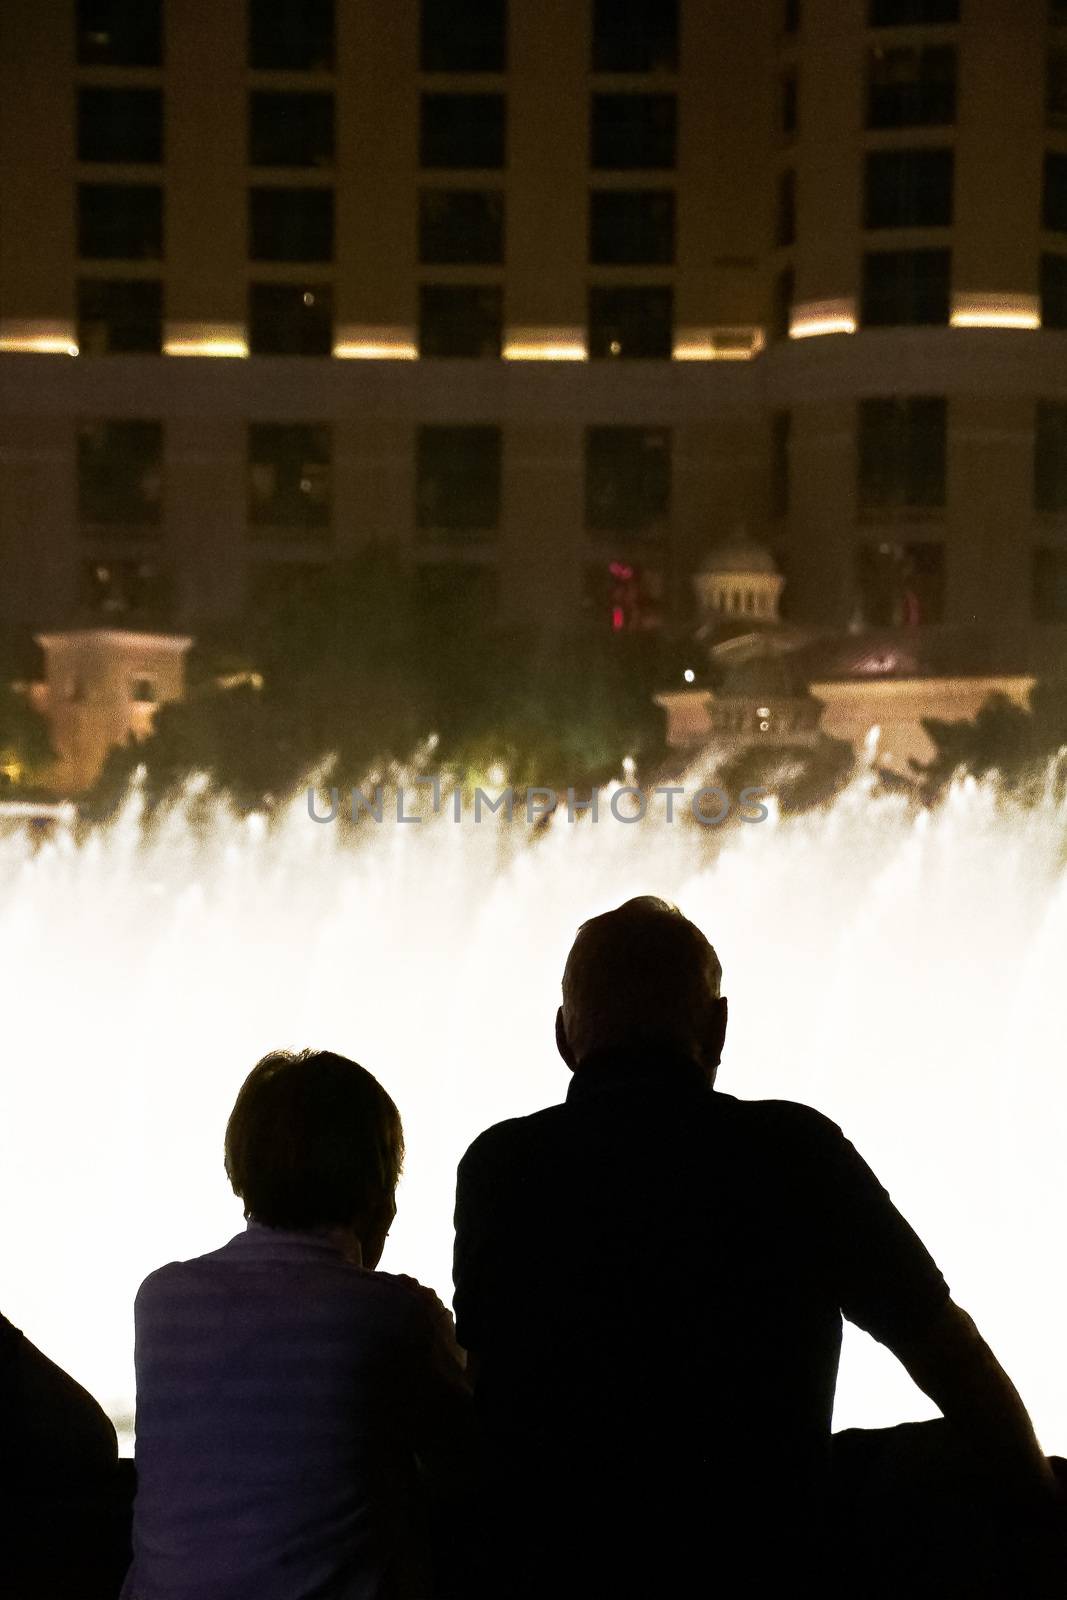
642, 977
314, 1142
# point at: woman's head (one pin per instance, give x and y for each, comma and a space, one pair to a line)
314, 1141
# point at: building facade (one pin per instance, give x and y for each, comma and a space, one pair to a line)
546, 295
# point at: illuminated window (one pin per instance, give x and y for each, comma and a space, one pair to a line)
458, 482
461, 227
902, 287
910, 86
463, 35
623, 596
908, 189
120, 125
630, 228
120, 222
120, 475
1054, 202
635, 35
120, 33
631, 324
909, 13
290, 224
120, 316
462, 130
460, 320
633, 131
785, 217
902, 453
288, 319
289, 478
1049, 584
1050, 456
901, 585
781, 431
1053, 291
628, 481
128, 590
291, 35
290, 130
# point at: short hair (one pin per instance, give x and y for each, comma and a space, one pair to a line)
313, 1141
639, 975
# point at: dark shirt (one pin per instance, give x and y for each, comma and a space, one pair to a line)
283, 1395
650, 1280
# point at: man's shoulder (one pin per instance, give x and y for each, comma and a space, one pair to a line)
503, 1139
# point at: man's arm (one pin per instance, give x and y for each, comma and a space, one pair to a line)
952, 1363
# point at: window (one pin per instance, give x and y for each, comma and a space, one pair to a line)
120, 33
458, 473
631, 323
144, 691
787, 104
120, 474
635, 35
291, 35
627, 481
461, 226
901, 585
460, 320
458, 595
290, 224
623, 596
907, 13
781, 431
1056, 89
630, 228
1050, 584
782, 309
462, 130
120, 125
127, 588
290, 130
785, 217
633, 130
902, 287
790, 16
120, 221
1057, 11
288, 319
282, 588
909, 87
902, 453
289, 477
463, 35
908, 189
120, 316
1050, 456
1054, 203
1054, 291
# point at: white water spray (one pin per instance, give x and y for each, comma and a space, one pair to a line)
903, 972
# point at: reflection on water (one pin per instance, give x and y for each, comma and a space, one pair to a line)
902, 972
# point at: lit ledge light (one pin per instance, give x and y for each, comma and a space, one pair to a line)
718, 344
996, 311
205, 339
357, 343
545, 344
19, 336
817, 317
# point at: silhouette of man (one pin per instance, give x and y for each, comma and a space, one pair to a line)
650, 1280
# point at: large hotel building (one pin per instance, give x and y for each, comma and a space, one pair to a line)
549, 296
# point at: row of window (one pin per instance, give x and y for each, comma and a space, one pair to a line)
901, 453
454, 35
293, 128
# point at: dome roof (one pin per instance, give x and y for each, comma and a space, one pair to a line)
739, 554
